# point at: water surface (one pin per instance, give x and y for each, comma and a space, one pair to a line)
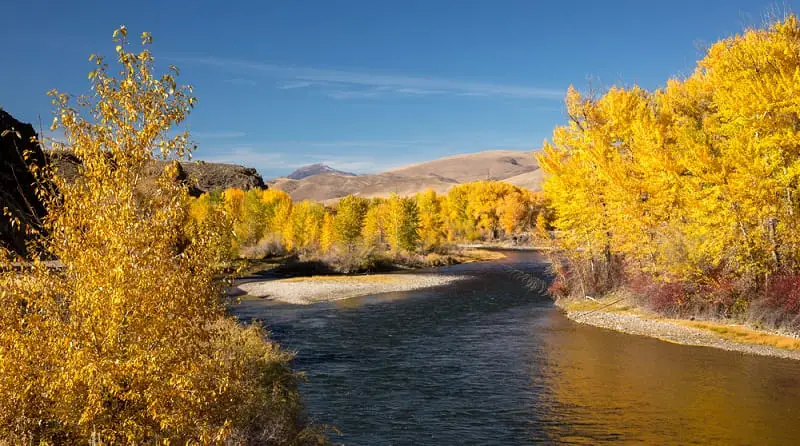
487, 361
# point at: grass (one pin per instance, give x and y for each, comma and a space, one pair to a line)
744, 335
610, 304
481, 255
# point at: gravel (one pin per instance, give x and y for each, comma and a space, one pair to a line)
672, 332
321, 288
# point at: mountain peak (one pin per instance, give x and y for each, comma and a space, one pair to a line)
315, 169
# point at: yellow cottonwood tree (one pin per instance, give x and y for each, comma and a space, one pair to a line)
349, 220
401, 223
431, 222
127, 342
373, 232
696, 182
326, 237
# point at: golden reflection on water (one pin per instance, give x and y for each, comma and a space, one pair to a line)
602, 386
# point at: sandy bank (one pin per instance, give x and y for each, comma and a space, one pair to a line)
700, 333
309, 290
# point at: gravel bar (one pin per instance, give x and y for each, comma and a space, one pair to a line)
672, 332
304, 291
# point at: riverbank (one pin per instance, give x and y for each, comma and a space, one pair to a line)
309, 290
288, 284
613, 313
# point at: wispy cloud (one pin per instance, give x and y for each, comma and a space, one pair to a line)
351, 82
245, 155
297, 84
240, 81
353, 94
217, 135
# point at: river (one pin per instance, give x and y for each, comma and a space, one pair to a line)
487, 361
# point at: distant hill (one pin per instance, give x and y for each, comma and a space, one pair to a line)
439, 175
530, 180
315, 169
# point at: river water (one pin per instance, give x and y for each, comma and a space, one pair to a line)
487, 361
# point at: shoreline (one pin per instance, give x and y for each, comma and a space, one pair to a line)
306, 290
315, 289
714, 334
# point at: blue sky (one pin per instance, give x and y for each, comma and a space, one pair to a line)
368, 85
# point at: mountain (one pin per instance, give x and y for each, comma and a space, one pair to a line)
315, 169
439, 175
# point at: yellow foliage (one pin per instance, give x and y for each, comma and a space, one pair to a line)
699, 176
326, 237
128, 342
349, 220
431, 221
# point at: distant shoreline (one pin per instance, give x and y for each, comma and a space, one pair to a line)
505, 247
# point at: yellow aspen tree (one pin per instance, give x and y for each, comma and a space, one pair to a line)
402, 221
431, 222
123, 343
326, 236
513, 208
373, 233
349, 220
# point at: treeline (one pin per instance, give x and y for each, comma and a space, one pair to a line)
688, 195
267, 222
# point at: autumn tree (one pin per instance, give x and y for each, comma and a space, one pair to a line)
326, 236
694, 183
373, 233
349, 220
302, 228
126, 342
402, 220
431, 228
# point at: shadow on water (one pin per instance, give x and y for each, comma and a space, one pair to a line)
486, 361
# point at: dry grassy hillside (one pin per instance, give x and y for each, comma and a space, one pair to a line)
491, 164
439, 175
530, 180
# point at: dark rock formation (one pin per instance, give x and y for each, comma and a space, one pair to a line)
210, 176
315, 169
18, 152
199, 176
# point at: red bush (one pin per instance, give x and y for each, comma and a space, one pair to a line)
558, 289
669, 297
783, 293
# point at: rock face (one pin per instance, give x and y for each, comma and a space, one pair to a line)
18, 151
199, 176
316, 169
210, 176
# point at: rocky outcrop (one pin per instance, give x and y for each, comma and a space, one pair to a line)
19, 150
199, 176
210, 176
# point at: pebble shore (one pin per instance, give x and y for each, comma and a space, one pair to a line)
673, 332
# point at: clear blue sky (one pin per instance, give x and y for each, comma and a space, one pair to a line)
367, 85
